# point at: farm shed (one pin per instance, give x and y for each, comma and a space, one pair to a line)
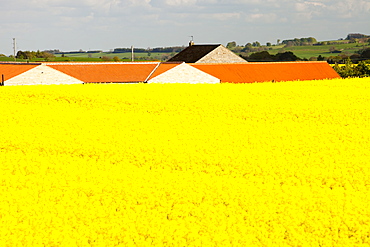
263, 72
156, 72
33, 74
180, 73
207, 54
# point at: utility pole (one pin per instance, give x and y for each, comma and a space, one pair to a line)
132, 53
14, 49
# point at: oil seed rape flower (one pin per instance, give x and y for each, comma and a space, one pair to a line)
267, 164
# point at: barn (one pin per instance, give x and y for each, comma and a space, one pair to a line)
161, 72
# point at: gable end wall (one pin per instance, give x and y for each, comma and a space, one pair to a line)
221, 55
42, 75
184, 73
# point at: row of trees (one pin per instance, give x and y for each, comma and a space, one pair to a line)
362, 69
352, 41
34, 54
361, 55
265, 56
232, 45
289, 42
352, 36
299, 42
150, 50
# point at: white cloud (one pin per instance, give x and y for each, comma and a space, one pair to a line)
350, 8
167, 21
262, 18
180, 2
221, 16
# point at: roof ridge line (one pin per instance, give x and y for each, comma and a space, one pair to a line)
19, 63
258, 63
151, 73
94, 63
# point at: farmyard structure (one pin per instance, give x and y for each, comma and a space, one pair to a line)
158, 72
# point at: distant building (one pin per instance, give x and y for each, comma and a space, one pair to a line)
206, 54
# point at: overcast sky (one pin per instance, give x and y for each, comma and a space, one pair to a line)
107, 24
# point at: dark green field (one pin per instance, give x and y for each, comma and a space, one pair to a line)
106, 56
323, 50
96, 57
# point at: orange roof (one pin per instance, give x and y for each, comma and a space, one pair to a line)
120, 72
11, 70
262, 72
163, 67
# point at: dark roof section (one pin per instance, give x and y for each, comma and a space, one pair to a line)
193, 53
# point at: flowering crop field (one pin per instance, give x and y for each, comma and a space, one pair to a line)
264, 164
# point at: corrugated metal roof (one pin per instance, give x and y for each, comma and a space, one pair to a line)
11, 70
120, 72
263, 72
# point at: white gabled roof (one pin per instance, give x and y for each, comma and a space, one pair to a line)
42, 75
184, 73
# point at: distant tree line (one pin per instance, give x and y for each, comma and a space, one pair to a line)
265, 56
257, 47
34, 54
76, 52
361, 55
125, 50
55, 51
299, 42
156, 50
356, 36
248, 48
362, 69
342, 41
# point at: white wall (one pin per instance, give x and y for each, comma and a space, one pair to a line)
42, 75
221, 55
184, 73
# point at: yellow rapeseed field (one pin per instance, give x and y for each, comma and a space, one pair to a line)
268, 164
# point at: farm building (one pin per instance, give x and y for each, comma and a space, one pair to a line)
156, 72
207, 54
